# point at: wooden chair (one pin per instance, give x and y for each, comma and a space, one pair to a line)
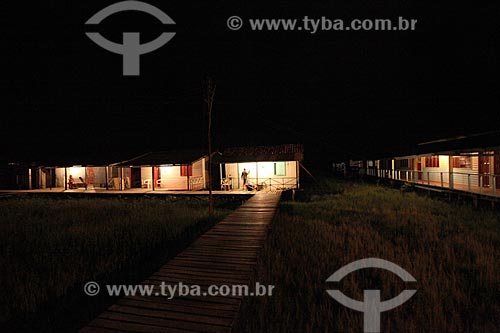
146, 183
225, 184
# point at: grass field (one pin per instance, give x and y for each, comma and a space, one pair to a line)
51, 247
452, 250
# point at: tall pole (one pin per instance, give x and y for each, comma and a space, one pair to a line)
65, 178
210, 100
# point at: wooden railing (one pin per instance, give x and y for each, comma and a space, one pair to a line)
486, 183
274, 184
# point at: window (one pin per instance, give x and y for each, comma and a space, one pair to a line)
406, 164
462, 162
432, 162
279, 169
401, 164
186, 170
385, 164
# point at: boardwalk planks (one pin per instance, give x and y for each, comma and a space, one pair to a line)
225, 255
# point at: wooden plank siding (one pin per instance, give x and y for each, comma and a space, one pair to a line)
225, 255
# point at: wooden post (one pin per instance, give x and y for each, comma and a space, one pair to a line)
122, 187
106, 177
210, 194
30, 179
210, 100
239, 175
451, 181
85, 180
153, 178
257, 174
65, 178
220, 169
297, 174
494, 185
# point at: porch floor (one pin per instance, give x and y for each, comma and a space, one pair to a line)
460, 187
128, 191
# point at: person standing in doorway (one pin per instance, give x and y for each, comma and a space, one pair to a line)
244, 178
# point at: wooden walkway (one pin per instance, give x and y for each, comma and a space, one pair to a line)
225, 255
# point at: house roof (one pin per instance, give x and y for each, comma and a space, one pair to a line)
69, 161
481, 142
286, 152
459, 145
71, 157
176, 157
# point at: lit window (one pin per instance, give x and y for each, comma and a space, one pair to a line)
186, 170
432, 162
279, 169
462, 162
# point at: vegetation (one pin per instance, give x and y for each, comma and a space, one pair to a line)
452, 250
51, 247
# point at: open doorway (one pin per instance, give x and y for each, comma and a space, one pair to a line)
484, 170
135, 178
496, 169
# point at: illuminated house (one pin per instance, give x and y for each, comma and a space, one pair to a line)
174, 170
16, 176
55, 174
469, 164
70, 177
167, 170
268, 167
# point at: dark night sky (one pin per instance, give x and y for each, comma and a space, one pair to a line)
343, 94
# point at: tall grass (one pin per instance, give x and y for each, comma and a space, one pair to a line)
50, 248
452, 251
